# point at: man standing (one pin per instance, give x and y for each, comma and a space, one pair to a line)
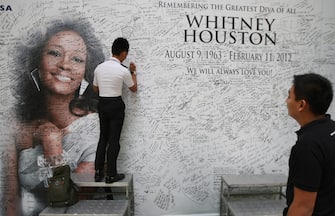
108, 81
311, 181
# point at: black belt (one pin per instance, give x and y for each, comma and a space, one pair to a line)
110, 98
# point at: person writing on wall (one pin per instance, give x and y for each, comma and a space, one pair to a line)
109, 78
311, 180
56, 107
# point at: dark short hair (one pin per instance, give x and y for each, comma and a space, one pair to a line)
315, 89
120, 45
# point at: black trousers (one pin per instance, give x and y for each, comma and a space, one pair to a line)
111, 114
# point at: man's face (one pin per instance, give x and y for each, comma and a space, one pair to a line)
293, 105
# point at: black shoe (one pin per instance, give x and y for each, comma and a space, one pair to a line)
99, 175
111, 179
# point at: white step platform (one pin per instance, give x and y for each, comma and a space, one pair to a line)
257, 207
256, 195
87, 180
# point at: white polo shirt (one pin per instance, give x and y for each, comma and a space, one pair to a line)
109, 77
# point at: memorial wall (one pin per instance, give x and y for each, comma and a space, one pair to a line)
212, 75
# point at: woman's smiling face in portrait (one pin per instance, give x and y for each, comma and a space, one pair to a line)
63, 63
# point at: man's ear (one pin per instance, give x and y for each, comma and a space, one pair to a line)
303, 105
124, 54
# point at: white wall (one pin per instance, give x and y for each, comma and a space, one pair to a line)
183, 130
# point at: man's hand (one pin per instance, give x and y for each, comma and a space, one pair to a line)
132, 67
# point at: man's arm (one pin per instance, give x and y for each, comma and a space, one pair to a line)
96, 89
134, 87
303, 203
132, 68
